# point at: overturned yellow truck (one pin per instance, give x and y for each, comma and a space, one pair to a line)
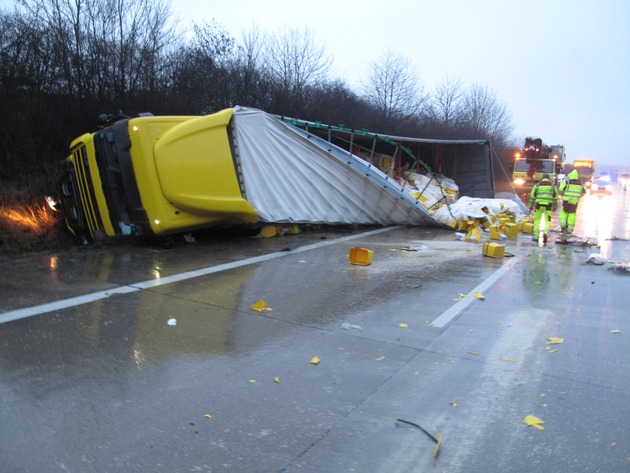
161, 175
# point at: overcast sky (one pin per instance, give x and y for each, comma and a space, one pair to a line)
562, 67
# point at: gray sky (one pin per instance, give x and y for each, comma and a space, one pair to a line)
562, 67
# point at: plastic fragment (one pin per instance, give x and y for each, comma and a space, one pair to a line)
207, 416
403, 325
533, 421
348, 326
454, 404
260, 306
252, 381
172, 322
596, 258
315, 360
380, 358
479, 295
473, 353
616, 331
511, 360
276, 380
436, 451
555, 340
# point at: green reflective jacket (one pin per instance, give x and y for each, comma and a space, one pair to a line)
572, 190
544, 193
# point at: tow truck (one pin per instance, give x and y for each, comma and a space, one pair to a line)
535, 160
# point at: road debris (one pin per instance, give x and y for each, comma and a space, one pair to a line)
260, 306
621, 267
437, 439
533, 421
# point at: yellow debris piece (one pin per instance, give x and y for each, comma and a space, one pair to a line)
459, 297
616, 331
380, 358
511, 360
479, 295
473, 235
252, 381
402, 325
454, 404
276, 380
207, 416
533, 421
260, 306
473, 353
436, 452
315, 360
555, 340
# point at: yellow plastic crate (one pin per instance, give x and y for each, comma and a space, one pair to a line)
493, 250
494, 233
360, 256
527, 227
511, 230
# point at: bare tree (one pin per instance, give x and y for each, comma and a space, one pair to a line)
294, 60
445, 105
485, 116
393, 88
250, 81
102, 48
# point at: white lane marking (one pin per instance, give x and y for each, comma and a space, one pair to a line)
134, 287
446, 317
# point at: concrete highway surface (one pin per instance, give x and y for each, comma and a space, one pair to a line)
241, 354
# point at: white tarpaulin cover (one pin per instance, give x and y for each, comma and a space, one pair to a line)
291, 176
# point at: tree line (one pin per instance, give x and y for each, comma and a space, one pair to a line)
65, 62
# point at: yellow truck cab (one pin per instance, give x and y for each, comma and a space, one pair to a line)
153, 176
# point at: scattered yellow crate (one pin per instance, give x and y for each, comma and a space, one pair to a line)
494, 233
493, 250
511, 230
268, 231
527, 227
360, 256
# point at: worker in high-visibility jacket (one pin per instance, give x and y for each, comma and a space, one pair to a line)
543, 200
571, 191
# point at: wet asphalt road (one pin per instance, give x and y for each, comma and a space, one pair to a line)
136, 358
